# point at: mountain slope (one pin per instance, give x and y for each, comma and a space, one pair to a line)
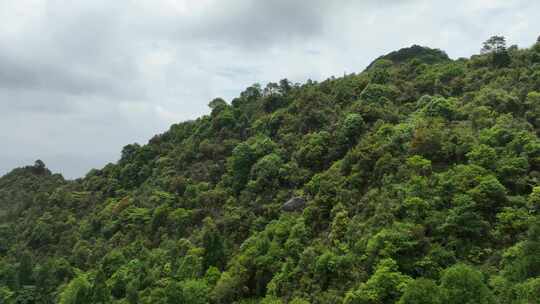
415, 182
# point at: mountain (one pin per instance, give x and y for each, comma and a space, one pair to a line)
415, 52
415, 181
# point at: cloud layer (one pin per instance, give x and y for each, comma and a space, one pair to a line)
81, 79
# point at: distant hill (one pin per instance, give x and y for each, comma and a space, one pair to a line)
414, 181
20, 187
420, 53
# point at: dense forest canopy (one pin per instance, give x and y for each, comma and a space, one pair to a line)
415, 181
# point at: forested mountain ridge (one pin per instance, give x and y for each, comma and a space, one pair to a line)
415, 181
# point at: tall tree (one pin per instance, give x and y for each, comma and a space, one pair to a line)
494, 44
496, 47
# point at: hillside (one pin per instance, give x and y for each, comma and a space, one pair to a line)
415, 181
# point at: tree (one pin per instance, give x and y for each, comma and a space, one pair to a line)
378, 94
227, 289
285, 85
217, 104
100, 291
438, 106
313, 151
340, 223
483, 155
462, 284
25, 269
532, 106
386, 285
464, 224
241, 161
78, 291
39, 167
495, 44
132, 292
265, 173
273, 97
419, 165
528, 291
421, 291
348, 132
533, 203
496, 47
6, 295
531, 249
194, 292
214, 254
173, 293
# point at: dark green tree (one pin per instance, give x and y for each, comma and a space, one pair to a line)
212, 242
421, 291
100, 290
462, 284
496, 47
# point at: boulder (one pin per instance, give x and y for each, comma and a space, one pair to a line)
294, 204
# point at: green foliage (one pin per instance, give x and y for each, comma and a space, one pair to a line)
241, 162
461, 284
378, 94
496, 47
484, 156
534, 200
421, 291
415, 52
349, 131
6, 295
313, 151
212, 243
439, 107
187, 292
420, 178
100, 290
78, 291
385, 286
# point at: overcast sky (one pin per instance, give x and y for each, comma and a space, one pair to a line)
81, 79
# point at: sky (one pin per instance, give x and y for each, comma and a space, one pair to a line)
81, 79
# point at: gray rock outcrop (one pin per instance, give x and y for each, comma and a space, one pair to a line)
294, 204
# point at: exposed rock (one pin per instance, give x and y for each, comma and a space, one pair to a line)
294, 204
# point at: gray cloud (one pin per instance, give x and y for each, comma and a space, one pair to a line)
80, 79
259, 24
